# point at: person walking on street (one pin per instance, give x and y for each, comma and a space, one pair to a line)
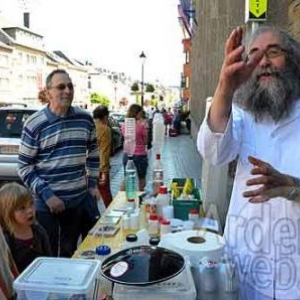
140, 157
168, 119
59, 163
104, 137
255, 117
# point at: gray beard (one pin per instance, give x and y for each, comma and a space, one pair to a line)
272, 99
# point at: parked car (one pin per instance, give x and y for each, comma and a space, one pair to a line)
119, 116
117, 137
12, 119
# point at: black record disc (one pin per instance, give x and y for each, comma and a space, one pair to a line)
142, 265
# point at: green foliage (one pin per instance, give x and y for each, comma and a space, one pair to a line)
135, 87
150, 88
99, 99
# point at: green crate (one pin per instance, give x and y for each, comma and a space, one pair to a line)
181, 182
182, 207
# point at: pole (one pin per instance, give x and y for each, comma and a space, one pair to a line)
142, 96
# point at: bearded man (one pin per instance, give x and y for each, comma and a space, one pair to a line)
255, 117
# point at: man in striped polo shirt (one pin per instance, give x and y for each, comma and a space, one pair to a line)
59, 162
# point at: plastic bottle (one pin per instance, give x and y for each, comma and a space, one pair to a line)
105, 287
158, 132
153, 225
162, 200
158, 174
194, 217
165, 227
130, 179
130, 205
129, 136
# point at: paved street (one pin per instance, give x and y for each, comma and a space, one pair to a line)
180, 159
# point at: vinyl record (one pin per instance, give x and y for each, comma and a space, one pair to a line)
142, 265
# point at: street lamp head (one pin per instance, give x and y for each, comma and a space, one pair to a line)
143, 57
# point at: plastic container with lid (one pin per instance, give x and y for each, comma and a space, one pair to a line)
153, 225
165, 227
105, 287
58, 278
194, 216
103, 251
162, 200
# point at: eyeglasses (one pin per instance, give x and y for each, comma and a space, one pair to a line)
62, 86
270, 53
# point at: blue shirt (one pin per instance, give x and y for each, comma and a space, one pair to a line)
59, 156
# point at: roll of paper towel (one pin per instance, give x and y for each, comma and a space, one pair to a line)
195, 244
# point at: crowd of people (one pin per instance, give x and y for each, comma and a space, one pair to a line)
64, 163
254, 117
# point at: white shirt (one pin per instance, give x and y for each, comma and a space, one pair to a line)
264, 239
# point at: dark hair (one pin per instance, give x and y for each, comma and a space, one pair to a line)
54, 72
42, 96
133, 110
100, 112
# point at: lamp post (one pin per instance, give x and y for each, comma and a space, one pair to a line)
143, 59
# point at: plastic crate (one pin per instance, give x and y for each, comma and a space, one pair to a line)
182, 206
181, 181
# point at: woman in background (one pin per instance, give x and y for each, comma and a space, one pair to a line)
140, 157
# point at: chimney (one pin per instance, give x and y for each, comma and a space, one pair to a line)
26, 19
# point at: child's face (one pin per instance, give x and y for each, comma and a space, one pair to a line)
25, 215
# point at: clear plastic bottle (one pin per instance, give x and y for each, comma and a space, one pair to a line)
162, 200
105, 287
130, 179
158, 174
158, 132
153, 225
129, 136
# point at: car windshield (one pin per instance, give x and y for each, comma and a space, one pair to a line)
12, 121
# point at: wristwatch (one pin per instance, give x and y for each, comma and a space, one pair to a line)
293, 194
295, 191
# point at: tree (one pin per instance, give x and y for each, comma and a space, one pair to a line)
99, 99
135, 87
150, 88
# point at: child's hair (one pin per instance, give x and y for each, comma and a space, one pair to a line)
12, 197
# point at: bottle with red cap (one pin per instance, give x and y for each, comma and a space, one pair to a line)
158, 174
162, 199
165, 227
153, 225
194, 216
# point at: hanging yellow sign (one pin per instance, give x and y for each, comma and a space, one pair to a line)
256, 10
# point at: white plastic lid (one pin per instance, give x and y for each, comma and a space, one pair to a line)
60, 275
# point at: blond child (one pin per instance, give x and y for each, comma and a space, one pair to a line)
26, 239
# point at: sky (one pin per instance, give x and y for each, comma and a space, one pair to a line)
111, 33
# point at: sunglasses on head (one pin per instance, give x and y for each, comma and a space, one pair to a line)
62, 86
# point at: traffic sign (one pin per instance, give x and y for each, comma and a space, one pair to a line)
256, 10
